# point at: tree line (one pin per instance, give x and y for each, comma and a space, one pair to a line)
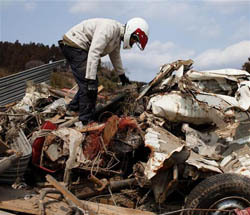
16, 57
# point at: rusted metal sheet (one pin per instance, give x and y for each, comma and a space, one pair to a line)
20, 144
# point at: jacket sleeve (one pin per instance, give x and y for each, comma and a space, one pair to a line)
98, 44
115, 58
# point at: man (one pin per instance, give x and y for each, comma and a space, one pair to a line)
84, 45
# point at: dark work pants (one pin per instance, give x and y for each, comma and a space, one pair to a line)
82, 101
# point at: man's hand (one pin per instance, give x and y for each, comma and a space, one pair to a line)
124, 79
92, 88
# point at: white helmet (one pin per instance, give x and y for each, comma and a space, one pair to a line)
139, 30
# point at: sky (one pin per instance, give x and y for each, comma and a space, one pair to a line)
215, 34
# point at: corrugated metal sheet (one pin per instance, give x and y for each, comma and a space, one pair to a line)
20, 144
12, 87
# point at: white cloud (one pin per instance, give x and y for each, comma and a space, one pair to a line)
232, 56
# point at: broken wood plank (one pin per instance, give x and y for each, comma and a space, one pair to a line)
30, 207
19, 206
16, 200
95, 208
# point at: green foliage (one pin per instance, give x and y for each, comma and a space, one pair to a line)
14, 56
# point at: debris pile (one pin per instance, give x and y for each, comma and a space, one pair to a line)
147, 146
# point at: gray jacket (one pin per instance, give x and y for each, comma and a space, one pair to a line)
99, 37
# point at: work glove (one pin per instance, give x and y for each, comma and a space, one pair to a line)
92, 88
124, 79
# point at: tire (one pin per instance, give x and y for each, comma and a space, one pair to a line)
221, 192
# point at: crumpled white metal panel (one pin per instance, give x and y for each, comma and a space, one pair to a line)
176, 107
162, 145
230, 74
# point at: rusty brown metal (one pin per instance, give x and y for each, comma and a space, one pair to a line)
101, 182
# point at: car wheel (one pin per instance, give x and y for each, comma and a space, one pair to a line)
219, 194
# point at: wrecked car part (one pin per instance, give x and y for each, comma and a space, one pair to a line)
165, 71
237, 159
203, 164
176, 107
243, 94
163, 145
203, 107
203, 143
220, 192
230, 74
20, 144
224, 81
